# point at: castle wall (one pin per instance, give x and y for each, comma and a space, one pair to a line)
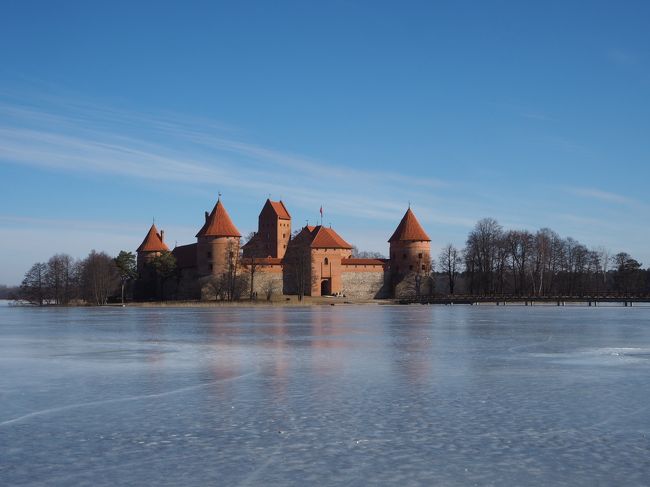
370, 282
267, 278
267, 284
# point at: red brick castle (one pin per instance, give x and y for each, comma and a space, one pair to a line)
315, 261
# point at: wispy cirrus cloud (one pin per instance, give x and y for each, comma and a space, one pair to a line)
88, 138
598, 194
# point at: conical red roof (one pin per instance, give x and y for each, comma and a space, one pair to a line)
153, 242
409, 229
218, 224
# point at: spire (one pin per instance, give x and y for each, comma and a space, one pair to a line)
218, 223
153, 242
409, 229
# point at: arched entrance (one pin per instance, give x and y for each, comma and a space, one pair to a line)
325, 287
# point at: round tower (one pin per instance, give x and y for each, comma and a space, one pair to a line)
410, 249
217, 243
152, 246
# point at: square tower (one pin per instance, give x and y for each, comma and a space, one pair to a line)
273, 232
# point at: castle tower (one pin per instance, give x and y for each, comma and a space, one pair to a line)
217, 242
314, 262
273, 232
152, 246
410, 249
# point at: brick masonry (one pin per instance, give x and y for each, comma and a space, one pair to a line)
372, 284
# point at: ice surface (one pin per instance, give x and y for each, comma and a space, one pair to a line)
410, 395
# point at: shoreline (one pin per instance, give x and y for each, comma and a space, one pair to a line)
308, 301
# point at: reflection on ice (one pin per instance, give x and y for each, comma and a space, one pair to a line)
344, 395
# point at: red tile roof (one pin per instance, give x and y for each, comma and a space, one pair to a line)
327, 238
353, 261
409, 229
218, 224
153, 242
279, 209
185, 256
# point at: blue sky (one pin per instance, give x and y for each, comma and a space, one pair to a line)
111, 113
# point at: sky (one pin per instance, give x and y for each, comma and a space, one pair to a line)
116, 113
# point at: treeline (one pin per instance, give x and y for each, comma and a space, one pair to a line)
519, 262
64, 280
8, 292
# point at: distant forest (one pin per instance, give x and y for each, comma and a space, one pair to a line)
517, 262
493, 262
9, 292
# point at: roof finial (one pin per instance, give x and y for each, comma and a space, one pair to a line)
409, 204
219, 198
153, 220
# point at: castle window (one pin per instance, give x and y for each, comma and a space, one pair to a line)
420, 255
327, 261
210, 267
283, 235
424, 268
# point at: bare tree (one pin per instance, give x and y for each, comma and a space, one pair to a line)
270, 289
99, 278
232, 267
482, 254
519, 245
252, 270
34, 288
365, 254
61, 278
450, 262
604, 257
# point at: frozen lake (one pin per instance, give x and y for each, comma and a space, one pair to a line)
419, 395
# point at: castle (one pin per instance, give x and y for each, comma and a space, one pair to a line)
316, 261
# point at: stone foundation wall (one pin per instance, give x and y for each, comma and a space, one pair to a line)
413, 286
365, 285
267, 285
